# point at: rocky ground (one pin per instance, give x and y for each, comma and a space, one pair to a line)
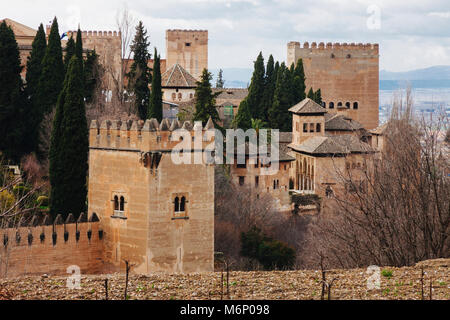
396, 283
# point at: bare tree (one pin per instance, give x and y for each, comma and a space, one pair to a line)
124, 22
401, 215
17, 194
238, 209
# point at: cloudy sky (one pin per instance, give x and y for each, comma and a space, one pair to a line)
411, 33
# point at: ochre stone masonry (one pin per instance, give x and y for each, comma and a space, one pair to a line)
108, 46
165, 221
51, 249
347, 74
188, 48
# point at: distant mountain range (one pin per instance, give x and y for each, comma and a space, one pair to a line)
432, 77
431, 73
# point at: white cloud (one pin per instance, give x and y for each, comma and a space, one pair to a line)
413, 33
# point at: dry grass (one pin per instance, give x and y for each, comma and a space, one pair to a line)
404, 283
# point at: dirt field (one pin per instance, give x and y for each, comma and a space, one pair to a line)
396, 283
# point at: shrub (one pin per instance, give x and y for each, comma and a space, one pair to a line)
19, 190
272, 254
42, 201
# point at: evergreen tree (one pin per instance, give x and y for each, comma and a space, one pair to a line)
34, 62
269, 88
79, 52
15, 111
279, 117
298, 85
92, 72
318, 97
205, 100
52, 76
139, 75
243, 119
155, 107
70, 51
220, 83
256, 88
34, 70
311, 94
69, 147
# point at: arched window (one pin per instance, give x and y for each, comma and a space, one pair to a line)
122, 203
191, 95
355, 105
179, 95
339, 104
331, 105
116, 203
274, 184
318, 129
183, 204
174, 95
324, 104
347, 105
177, 204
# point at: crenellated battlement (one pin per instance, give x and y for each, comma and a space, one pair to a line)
145, 136
42, 245
187, 30
334, 46
95, 34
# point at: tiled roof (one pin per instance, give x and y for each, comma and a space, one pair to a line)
231, 93
178, 77
285, 137
341, 123
307, 106
335, 144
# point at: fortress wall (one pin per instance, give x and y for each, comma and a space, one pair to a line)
51, 249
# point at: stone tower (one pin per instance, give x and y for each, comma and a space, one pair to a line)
188, 48
347, 75
108, 46
156, 214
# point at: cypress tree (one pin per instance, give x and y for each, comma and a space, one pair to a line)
299, 83
70, 51
279, 117
34, 61
256, 88
243, 119
69, 147
34, 70
318, 97
269, 88
155, 109
205, 100
139, 75
220, 83
52, 76
311, 94
79, 52
15, 110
